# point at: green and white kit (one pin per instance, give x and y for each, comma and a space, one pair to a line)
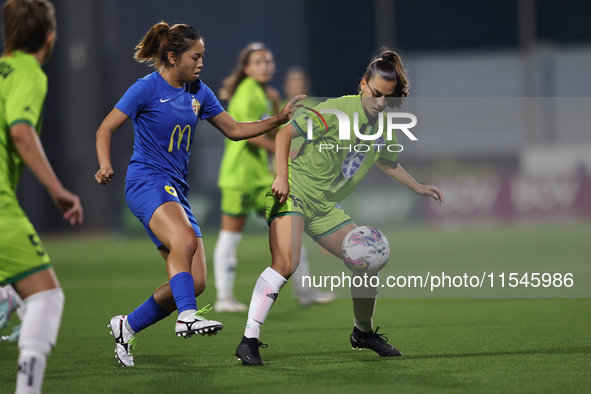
23, 86
321, 178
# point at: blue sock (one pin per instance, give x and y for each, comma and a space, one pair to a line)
146, 314
183, 291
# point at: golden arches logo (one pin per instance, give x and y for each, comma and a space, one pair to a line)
180, 137
170, 190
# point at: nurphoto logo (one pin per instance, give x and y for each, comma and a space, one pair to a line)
345, 131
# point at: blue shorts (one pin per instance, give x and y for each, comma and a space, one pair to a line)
144, 196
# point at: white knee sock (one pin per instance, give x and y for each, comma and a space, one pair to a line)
38, 335
302, 270
364, 304
31, 369
264, 295
21, 306
224, 262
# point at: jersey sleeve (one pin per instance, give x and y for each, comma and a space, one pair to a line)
135, 99
211, 105
24, 102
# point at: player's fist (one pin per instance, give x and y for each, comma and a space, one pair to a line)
104, 175
280, 189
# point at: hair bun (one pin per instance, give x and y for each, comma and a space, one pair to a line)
388, 56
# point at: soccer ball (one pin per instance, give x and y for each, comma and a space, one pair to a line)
365, 250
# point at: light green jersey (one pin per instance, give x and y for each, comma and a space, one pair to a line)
245, 166
23, 86
327, 175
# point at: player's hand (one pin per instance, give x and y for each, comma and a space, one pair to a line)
285, 114
431, 191
104, 175
280, 189
69, 204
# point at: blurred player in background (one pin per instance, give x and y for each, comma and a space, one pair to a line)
295, 82
29, 33
244, 173
305, 197
165, 107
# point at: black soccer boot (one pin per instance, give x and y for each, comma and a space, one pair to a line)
374, 341
248, 351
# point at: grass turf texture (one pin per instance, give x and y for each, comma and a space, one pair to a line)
449, 345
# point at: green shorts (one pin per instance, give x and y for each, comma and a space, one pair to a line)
318, 223
239, 202
21, 251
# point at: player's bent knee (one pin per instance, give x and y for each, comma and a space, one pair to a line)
42, 319
187, 243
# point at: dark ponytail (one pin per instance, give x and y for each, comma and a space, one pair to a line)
153, 49
389, 67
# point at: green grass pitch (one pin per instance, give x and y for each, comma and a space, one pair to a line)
449, 345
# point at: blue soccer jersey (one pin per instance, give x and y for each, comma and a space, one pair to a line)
164, 120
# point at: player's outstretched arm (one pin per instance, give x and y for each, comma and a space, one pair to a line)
237, 131
29, 147
103, 145
398, 174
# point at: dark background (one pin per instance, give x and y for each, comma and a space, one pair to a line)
334, 40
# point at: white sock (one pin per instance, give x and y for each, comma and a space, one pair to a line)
224, 262
302, 270
42, 320
264, 295
184, 315
364, 304
127, 331
38, 335
31, 370
21, 306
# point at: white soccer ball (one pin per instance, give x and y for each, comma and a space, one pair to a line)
365, 250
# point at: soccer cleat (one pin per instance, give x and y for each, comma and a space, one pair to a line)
124, 341
374, 341
6, 310
312, 296
16, 333
229, 304
248, 351
197, 324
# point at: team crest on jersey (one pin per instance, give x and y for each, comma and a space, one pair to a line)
195, 104
379, 144
352, 164
170, 190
